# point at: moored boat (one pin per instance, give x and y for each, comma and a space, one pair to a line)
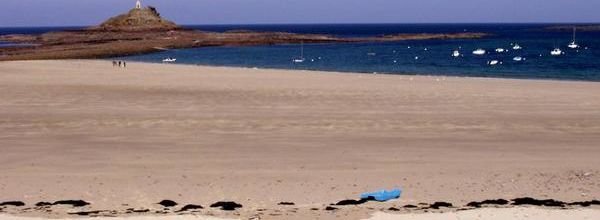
479, 51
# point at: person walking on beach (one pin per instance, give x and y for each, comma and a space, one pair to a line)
124, 64
119, 63
114, 63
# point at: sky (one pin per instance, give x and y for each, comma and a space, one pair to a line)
14, 13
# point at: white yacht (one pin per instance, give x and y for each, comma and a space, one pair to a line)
518, 59
169, 60
479, 51
517, 47
573, 44
556, 52
500, 50
456, 53
494, 62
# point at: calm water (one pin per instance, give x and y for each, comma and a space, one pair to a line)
434, 56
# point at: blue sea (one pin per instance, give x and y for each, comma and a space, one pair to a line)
422, 57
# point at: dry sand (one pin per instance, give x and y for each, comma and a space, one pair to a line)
110, 136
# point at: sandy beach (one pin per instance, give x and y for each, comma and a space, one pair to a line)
129, 138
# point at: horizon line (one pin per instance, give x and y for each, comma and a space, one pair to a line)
342, 23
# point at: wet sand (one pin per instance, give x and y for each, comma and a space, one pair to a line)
121, 138
498, 214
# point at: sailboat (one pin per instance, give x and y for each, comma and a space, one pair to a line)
573, 44
517, 47
556, 52
301, 59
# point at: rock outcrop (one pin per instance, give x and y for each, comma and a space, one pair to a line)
142, 30
136, 20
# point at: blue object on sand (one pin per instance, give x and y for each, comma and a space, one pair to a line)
383, 195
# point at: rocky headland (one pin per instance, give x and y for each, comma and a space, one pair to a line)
143, 30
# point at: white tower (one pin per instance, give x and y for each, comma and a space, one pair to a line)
138, 4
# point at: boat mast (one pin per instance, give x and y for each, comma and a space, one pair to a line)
574, 30
302, 50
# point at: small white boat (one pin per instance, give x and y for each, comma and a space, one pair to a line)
371, 54
169, 60
500, 50
556, 52
573, 44
456, 53
517, 47
479, 52
518, 59
494, 62
301, 58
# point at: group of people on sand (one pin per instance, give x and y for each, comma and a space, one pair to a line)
119, 63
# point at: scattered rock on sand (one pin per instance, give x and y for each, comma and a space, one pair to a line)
438, 205
43, 204
586, 203
488, 202
536, 202
87, 213
410, 206
167, 203
394, 209
74, 203
227, 206
286, 203
190, 207
130, 210
354, 202
329, 208
12, 203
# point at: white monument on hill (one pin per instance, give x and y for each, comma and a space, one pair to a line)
138, 4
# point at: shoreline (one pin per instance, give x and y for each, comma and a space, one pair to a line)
122, 138
342, 72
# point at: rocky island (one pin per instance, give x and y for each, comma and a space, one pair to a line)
585, 28
143, 30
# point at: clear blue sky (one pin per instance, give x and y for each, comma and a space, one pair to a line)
89, 12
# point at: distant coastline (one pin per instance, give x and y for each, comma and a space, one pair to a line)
589, 28
143, 30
